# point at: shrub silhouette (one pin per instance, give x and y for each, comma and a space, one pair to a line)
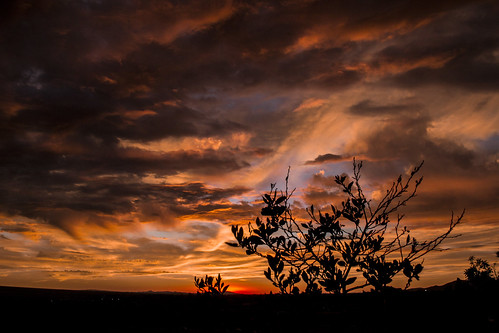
210, 285
326, 251
480, 271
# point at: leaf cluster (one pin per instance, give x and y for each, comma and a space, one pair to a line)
210, 285
480, 271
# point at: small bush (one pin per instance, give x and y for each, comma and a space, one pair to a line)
210, 285
480, 271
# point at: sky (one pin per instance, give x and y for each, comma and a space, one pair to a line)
133, 134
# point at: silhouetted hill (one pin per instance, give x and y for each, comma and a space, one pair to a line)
463, 285
444, 310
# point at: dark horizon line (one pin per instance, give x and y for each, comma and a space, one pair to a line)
168, 292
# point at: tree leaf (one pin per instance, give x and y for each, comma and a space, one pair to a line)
267, 274
267, 199
280, 200
255, 240
350, 280
272, 262
280, 267
407, 271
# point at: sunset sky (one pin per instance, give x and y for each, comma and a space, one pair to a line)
134, 133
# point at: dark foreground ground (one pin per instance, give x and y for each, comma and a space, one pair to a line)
447, 310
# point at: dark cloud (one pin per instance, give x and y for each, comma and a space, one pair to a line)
320, 197
152, 250
455, 49
406, 138
319, 179
441, 198
455, 177
491, 144
464, 72
184, 48
16, 228
7, 254
368, 108
322, 190
326, 158
70, 205
73, 70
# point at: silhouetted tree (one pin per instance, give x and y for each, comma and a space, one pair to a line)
480, 273
210, 285
325, 251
